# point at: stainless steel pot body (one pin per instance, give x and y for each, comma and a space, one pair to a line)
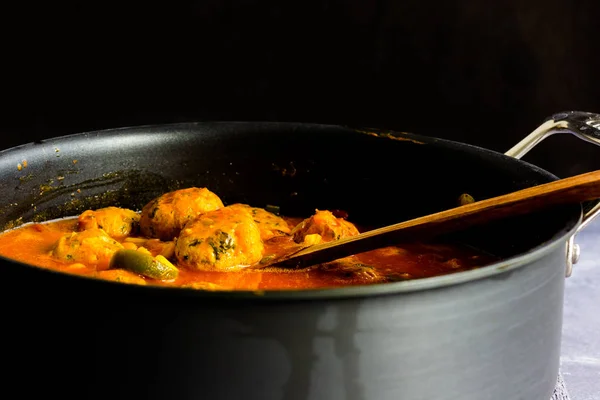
494, 338
492, 333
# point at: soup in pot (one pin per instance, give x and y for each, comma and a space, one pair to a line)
190, 238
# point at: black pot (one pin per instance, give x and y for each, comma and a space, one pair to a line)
490, 333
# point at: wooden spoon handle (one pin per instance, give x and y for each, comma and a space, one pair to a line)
571, 190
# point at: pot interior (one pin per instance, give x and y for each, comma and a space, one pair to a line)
377, 177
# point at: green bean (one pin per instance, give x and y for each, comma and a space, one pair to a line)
144, 264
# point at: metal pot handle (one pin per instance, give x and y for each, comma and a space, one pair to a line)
585, 126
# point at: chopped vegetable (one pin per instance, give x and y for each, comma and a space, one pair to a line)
144, 264
465, 198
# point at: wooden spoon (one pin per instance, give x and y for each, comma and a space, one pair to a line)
575, 189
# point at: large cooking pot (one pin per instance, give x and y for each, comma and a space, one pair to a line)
491, 333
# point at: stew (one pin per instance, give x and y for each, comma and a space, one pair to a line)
190, 238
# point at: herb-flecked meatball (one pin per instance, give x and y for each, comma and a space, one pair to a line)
91, 247
270, 225
117, 222
164, 216
220, 240
324, 224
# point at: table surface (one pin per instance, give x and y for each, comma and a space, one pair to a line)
580, 357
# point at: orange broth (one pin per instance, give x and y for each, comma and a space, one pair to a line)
32, 244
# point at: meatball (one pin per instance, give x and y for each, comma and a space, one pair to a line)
270, 225
164, 216
220, 240
91, 247
350, 269
325, 224
117, 222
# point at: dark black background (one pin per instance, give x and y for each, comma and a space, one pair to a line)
481, 72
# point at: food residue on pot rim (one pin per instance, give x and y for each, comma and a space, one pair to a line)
391, 135
26, 178
285, 171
